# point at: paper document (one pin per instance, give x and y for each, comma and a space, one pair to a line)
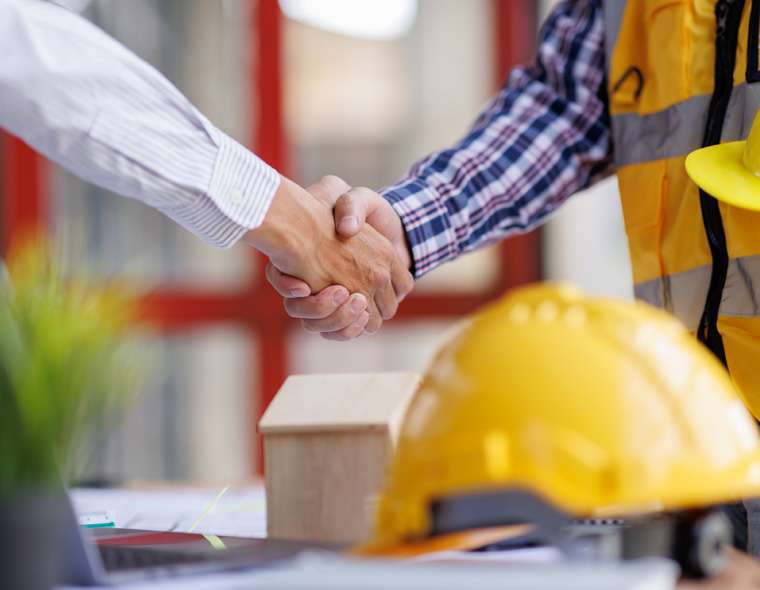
241, 512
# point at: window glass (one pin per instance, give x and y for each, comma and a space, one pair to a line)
194, 420
201, 47
367, 109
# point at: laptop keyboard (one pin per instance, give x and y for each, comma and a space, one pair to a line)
120, 558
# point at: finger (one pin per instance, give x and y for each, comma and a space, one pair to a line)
385, 297
286, 285
353, 331
351, 210
402, 281
317, 306
342, 318
375, 319
328, 189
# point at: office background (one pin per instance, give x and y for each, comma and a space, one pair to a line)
357, 94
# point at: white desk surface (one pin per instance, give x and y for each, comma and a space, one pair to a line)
241, 512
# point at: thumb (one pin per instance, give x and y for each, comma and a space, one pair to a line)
328, 189
352, 210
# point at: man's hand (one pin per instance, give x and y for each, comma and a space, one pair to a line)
330, 311
299, 237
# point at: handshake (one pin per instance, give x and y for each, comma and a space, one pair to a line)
342, 278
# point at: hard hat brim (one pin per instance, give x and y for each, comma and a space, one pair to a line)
462, 541
719, 171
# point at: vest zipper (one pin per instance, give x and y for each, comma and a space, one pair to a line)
728, 14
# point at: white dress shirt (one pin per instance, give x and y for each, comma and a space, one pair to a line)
85, 101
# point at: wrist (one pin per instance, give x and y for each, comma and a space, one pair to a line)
404, 250
276, 231
292, 233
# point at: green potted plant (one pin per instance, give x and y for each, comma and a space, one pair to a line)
64, 366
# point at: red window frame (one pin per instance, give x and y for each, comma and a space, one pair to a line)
256, 307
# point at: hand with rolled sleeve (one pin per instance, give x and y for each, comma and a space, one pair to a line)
332, 312
544, 136
376, 274
86, 102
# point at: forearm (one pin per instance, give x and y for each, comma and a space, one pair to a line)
542, 138
86, 102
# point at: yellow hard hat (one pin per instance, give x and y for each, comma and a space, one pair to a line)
597, 406
730, 171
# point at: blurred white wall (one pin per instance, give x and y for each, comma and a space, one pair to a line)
366, 110
584, 242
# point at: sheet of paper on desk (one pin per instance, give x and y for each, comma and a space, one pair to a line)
316, 573
528, 555
338, 574
241, 512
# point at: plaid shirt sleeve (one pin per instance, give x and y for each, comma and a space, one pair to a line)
545, 136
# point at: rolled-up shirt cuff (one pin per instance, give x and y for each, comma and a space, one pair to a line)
431, 238
239, 195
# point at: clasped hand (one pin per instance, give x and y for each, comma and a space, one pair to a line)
358, 273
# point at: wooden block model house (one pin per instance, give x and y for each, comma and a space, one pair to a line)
327, 439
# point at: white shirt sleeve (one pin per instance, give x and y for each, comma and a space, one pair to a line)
85, 101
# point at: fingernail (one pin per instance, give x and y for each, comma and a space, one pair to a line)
299, 292
340, 296
349, 225
358, 303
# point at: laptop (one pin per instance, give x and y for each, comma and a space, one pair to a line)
109, 556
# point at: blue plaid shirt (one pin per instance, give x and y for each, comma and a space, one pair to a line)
545, 136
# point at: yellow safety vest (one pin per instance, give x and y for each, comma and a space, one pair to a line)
684, 74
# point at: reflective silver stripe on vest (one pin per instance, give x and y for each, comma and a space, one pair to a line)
678, 130
683, 294
613, 18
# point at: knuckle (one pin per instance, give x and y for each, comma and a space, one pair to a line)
350, 318
381, 278
334, 182
343, 317
377, 275
322, 305
390, 310
355, 330
344, 201
407, 285
330, 179
387, 253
